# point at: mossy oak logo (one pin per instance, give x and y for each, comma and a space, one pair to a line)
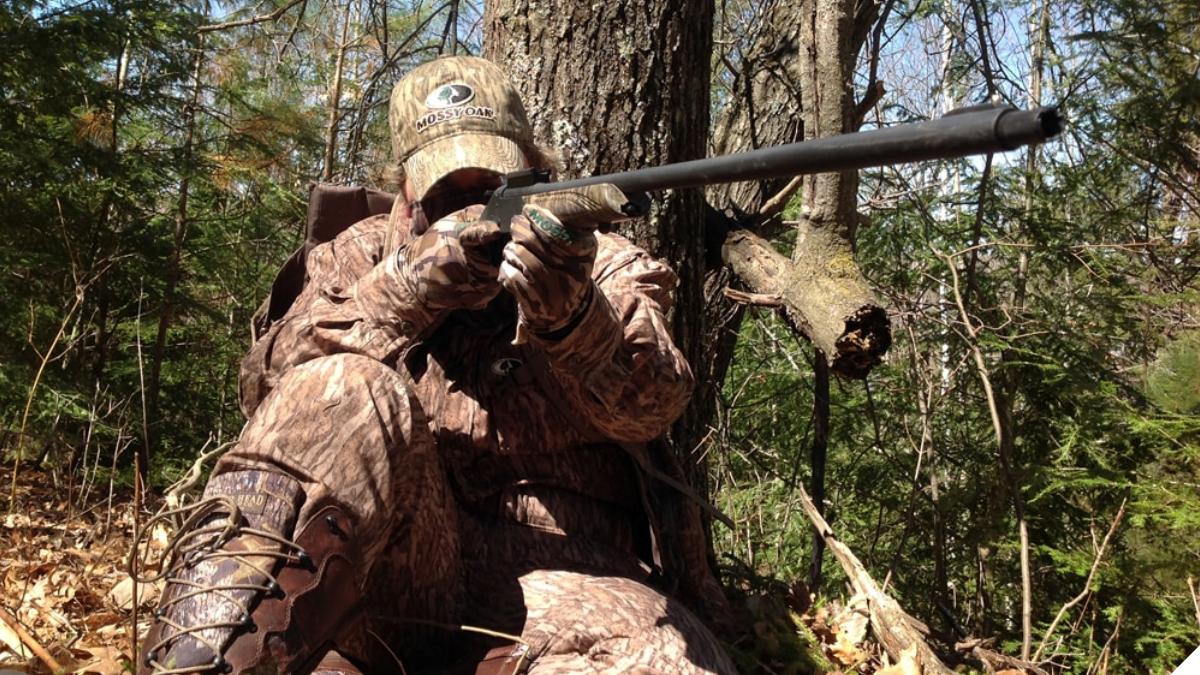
448, 102
449, 95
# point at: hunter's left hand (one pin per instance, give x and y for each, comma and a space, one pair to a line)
547, 267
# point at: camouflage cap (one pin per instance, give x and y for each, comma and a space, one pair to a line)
457, 112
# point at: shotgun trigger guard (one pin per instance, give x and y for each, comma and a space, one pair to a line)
500, 208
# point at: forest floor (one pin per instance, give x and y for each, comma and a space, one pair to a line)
63, 579
66, 596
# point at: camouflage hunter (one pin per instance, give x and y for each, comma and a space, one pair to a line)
407, 470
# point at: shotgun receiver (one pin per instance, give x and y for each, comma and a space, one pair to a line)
586, 202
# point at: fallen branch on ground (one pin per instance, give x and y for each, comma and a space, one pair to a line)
893, 627
29, 641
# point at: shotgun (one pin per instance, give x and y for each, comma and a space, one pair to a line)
609, 198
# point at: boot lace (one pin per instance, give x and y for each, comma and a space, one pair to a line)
193, 544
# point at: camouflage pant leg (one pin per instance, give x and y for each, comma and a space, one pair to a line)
578, 623
350, 430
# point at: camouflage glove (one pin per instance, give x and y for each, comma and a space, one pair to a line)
548, 269
454, 265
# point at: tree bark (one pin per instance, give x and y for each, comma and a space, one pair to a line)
631, 91
174, 263
848, 316
335, 97
804, 63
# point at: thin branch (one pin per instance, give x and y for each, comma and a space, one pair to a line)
1195, 598
262, 18
177, 492
977, 226
775, 205
1006, 468
756, 299
80, 291
982, 32
1087, 585
31, 642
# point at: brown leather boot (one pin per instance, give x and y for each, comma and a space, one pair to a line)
242, 593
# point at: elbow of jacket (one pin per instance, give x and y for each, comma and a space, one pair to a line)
670, 400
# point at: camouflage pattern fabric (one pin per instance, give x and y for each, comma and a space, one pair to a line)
547, 268
457, 112
578, 623
349, 429
454, 264
466, 459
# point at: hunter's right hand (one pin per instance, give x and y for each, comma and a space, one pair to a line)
455, 264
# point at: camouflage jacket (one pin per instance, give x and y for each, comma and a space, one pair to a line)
618, 370
549, 405
507, 418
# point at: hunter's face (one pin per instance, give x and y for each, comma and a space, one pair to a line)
464, 181
455, 191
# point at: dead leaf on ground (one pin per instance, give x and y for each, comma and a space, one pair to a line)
846, 652
121, 594
907, 665
102, 660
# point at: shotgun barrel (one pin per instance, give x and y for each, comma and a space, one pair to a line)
969, 131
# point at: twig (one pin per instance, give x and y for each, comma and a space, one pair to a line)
175, 493
1006, 468
31, 642
992, 659
1087, 585
141, 469
774, 206
977, 225
37, 379
1195, 598
262, 18
1101, 664
757, 299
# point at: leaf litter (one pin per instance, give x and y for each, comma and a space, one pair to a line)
63, 578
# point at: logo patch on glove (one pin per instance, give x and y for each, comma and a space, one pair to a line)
550, 227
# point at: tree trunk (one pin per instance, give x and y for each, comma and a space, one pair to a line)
819, 450
174, 263
335, 97
834, 35
804, 61
1011, 379
631, 91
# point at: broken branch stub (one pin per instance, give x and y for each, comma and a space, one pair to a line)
823, 293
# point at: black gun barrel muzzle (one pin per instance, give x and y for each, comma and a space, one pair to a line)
972, 131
